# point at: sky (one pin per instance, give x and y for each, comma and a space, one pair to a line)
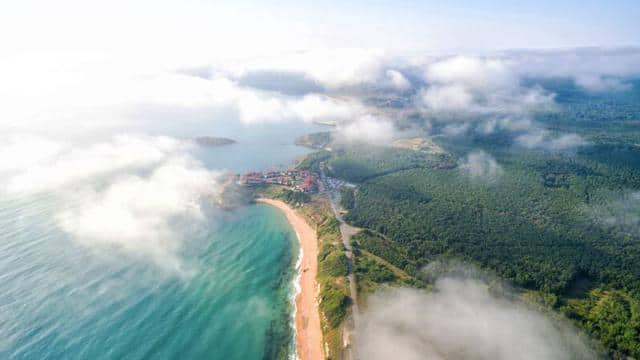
188, 29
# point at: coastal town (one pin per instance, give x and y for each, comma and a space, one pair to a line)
297, 180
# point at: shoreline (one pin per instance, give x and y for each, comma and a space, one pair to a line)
308, 332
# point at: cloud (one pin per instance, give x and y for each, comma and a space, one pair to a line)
485, 95
221, 94
454, 97
62, 98
317, 107
397, 80
541, 139
480, 165
34, 164
511, 123
289, 83
472, 84
366, 129
598, 83
20, 151
594, 69
456, 129
143, 216
338, 70
332, 68
58, 94
136, 195
461, 319
472, 72
623, 212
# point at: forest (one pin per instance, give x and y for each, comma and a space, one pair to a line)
563, 224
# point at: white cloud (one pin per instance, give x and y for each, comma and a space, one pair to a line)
318, 107
511, 123
622, 212
594, 69
21, 151
541, 139
143, 216
63, 98
457, 129
219, 93
397, 80
454, 97
480, 165
488, 91
471, 84
35, 164
472, 72
333, 68
59, 93
598, 83
461, 319
137, 195
368, 129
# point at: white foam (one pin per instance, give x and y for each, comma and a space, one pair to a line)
297, 288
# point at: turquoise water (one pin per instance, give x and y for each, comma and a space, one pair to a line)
59, 300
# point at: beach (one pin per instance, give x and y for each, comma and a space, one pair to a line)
309, 345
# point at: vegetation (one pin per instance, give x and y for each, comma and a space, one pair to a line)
293, 198
613, 316
373, 271
332, 271
364, 162
347, 198
315, 140
537, 225
385, 249
312, 161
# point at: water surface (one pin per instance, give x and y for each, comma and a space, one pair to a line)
60, 300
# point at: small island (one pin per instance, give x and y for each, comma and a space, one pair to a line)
214, 141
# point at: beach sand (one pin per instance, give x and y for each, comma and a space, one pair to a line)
309, 345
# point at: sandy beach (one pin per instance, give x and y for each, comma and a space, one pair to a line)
308, 332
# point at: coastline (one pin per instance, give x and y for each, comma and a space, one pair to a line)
309, 345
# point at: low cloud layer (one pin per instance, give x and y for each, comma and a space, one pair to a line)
481, 166
333, 69
366, 129
479, 95
34, 164
144, 216
462, 319
136, 195
593, 69
471, 94
471, 84
622, 212
543, 140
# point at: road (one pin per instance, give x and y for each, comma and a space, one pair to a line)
346, 232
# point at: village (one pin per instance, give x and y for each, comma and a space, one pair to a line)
298, 180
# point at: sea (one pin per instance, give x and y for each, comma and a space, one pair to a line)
60, 300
